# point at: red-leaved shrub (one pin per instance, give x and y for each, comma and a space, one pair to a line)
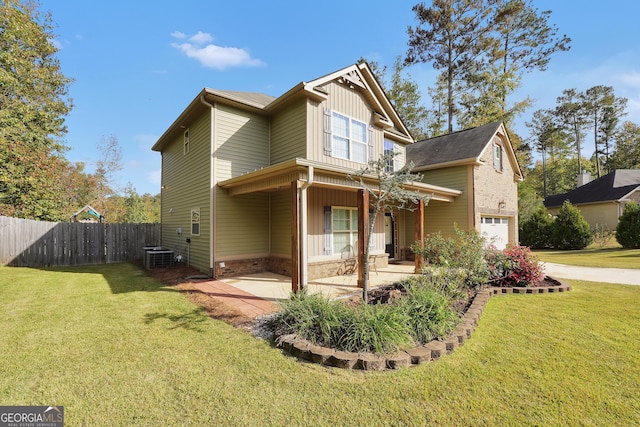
515, 266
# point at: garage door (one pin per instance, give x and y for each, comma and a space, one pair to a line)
495, 230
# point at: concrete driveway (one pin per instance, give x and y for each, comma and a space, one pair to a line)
625, 276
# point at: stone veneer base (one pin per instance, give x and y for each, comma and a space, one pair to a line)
429, 352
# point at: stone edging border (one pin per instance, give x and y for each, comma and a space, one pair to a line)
429, 352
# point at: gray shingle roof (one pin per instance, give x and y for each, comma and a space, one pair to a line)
256, 98
613, 186
462, 145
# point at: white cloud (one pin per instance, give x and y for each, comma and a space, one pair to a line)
201, 38
201, 48
178, 35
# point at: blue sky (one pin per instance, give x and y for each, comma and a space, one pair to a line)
137, 64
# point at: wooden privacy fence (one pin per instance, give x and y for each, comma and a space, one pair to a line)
28, 243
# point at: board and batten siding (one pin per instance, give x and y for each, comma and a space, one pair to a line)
288, 133
281, 223
441, 216
346, 101
242, 222
186, 182
319, 198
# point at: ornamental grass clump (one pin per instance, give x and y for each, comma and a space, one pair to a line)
378, 328
313, 317
429, 312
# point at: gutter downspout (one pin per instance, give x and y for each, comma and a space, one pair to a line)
212, 193
304, 244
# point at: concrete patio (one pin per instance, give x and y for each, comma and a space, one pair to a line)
257, 294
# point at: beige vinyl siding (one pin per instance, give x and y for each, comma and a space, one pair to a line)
348, 102
241, 146
441, 216
186, 181
318, 198
241, 142
242, 224
281, 223
288, 133
604, 214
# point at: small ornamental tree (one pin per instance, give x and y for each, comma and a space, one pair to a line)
388, 192
536, 231
628, 229
570, 230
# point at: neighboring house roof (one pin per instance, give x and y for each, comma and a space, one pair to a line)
614, 186
458, 148
90, 211
356, 75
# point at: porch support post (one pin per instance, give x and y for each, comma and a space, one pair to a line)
363, 230
295, 238
419, 219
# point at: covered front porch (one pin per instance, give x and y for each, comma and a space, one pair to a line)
314, 188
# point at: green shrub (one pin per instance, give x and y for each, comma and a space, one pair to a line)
628, 229
437, 249
602, 235
466, 250
570, 230
378, 328
536, 231
448, 281
429, 313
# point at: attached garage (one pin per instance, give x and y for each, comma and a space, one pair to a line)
495, 230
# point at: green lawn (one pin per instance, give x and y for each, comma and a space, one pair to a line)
593, 257
117, 348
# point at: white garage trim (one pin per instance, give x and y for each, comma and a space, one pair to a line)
495, 230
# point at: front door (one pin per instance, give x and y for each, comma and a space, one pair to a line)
389, 235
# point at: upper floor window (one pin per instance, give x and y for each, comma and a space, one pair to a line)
498, 157
186, 141
349, 138
388, 153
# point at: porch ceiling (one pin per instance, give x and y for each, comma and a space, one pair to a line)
275, 177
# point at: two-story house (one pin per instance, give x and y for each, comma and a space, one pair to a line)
254, 183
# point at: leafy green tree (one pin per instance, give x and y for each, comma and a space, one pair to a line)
547, 136
627, 151
572, 114
109, 163
628, 229
33, 104
387, 193
604, 111
528, 201
570, 230
404, 94
525, 42
453, 36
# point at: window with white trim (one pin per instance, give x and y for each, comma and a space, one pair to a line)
388, 153
498, 157
186, 142
349, 138
344, 227
195, 222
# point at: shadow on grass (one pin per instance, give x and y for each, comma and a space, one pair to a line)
121, 277
191, 320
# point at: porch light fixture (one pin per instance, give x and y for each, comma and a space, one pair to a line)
502, 204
